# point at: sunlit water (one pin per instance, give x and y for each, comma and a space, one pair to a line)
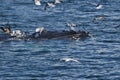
94, 58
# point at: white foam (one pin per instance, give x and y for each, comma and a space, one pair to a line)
18, 33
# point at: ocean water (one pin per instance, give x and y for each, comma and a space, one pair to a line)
94, 58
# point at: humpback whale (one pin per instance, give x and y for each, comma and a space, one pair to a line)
41, 33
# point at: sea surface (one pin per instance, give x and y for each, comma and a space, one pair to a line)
95, 58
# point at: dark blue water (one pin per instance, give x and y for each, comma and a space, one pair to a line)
97, 57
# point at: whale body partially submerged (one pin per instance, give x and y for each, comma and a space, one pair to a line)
69, 34
60, 35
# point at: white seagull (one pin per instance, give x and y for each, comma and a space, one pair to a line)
52, 4
39, 30
69, 59
37, 2
99, 6
98, 18
49, 4
57, 1
72, 26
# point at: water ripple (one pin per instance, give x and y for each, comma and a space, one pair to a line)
98, 55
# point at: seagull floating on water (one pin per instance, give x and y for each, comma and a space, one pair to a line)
37, 2
6, 29
69, 59
99, 6
99, 18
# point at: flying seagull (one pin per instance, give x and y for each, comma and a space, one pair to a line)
52, 4
49, 4
57, 1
